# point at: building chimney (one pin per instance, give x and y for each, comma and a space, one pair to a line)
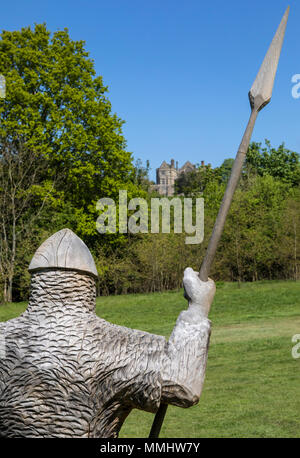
172, 163
202, 163
177, 165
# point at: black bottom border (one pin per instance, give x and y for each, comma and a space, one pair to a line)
143, 447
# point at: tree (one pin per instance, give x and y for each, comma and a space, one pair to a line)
280, 163
141, 174
59, 137
194, 182
254, 231
290, 242
225, 169
56, 105
24, 194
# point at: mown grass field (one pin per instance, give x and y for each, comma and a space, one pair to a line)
252, 386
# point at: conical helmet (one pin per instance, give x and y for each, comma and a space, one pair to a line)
64, 250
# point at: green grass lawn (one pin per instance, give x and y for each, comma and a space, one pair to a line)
252, 386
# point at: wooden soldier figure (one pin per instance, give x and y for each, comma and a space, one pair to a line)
65, 372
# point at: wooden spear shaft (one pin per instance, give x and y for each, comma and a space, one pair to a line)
259, 96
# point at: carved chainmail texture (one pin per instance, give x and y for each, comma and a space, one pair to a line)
64, 372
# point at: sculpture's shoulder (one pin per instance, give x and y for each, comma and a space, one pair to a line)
129, 337
11, 333
12, 324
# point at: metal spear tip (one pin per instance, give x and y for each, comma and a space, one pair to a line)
261, 91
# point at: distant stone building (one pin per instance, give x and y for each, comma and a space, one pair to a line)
166, 175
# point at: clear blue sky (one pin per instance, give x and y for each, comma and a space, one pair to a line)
179, 71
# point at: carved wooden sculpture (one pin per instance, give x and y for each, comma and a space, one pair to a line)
65, 372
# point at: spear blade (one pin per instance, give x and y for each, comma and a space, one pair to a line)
261, 91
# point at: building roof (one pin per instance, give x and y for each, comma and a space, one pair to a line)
164, 165
186, 165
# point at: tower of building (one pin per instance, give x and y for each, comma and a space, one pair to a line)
166, 175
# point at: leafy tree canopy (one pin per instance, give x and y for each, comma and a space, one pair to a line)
56, 105
194, 182
225, 169
279, 163
61, 147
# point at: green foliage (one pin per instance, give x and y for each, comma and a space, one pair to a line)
193, 183
57, 106
280, 163
55, 110
253, 232
141, 174
225, 169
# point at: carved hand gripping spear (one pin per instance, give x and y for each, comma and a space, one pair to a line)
259, 96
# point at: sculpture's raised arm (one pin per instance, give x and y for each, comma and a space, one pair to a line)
184, 365
148, 369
